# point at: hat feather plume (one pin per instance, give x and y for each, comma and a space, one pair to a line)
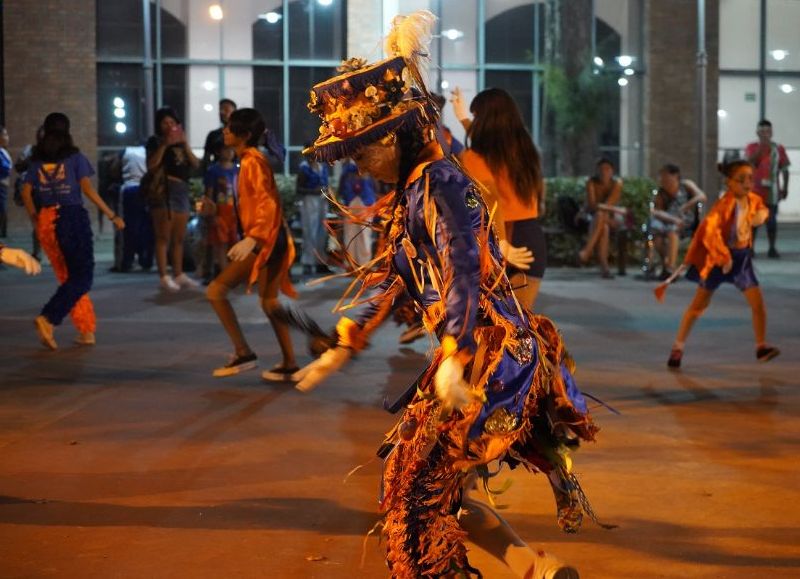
410, 37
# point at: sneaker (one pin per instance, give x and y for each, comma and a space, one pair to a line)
184, 280
279, 374
773, 253
412, 334
548, 567
169, 284
767, 353
675, 357
45, 331
236, 365
85, 339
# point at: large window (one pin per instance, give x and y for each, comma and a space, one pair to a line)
267, 54
760, 78
260, 53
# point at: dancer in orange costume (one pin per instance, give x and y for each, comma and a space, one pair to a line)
722, 252
264, 254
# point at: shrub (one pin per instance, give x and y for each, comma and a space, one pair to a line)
563, 244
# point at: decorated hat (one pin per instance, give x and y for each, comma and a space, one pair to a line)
366, 102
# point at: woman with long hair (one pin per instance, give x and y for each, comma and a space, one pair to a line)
722, 252
603, 194
263, 255
172, 160
58, 176
499, 386
502, 157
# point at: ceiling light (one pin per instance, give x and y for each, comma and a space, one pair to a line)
628, 72
120, 127
119, 113
722, 113
208, 107
208, 85
786, 88
598, 61
119, 103
215, 11
445, 85
624, 60
452, 34
271, 17
779, 54
325, 2
622, 81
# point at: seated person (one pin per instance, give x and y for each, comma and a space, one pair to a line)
603, 195
674, 214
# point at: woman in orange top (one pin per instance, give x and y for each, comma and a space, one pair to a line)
722, 252
264, 254
501, 156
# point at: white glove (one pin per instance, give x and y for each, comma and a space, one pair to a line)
21, 259
519, 257
459, 106
311, 375
449, 383
242, 249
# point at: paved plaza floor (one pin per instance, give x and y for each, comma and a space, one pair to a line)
129, 460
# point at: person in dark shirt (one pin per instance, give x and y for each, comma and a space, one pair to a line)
214, 140
168, 150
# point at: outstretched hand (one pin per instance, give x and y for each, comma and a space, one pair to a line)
242, 249
21, 259
310, 376
519, 257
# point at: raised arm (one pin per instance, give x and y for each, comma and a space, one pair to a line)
697, 195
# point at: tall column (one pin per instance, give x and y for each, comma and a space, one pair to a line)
671, 88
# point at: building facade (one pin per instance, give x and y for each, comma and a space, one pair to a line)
89, 58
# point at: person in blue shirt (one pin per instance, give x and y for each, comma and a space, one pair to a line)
312, 186
58, 176
5, 179
219, 205
356, 192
